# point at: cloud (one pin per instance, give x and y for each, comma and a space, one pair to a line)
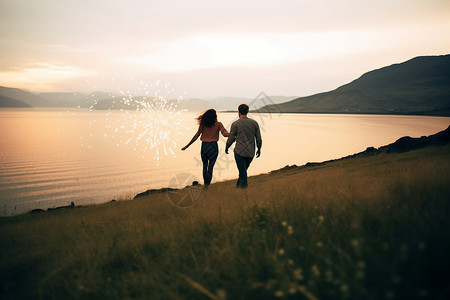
41, 76
223, 50
178, 38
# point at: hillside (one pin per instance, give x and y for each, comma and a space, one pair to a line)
418, 86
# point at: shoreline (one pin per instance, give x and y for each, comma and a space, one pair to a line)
442, 114
403, 144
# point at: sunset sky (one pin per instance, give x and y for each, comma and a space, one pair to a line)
212, 48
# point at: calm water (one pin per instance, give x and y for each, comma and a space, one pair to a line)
49, 158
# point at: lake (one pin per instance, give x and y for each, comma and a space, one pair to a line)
50, 158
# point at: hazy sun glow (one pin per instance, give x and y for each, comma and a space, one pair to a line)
211, 48
42, 77
250, 50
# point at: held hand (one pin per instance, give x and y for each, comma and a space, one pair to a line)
258, 153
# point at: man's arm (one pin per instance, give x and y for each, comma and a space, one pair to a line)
258, 140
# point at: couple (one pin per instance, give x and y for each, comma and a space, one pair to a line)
244, 131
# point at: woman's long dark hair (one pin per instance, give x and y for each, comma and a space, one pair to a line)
208, 118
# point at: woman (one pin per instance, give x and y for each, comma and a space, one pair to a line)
209, 129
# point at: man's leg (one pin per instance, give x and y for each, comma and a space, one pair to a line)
248, 160
242, 164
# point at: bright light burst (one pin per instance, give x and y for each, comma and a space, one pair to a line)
143, 119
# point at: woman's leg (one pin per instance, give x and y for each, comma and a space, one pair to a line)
212, 161
205, 162
209, 153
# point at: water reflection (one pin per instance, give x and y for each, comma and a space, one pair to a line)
51, 158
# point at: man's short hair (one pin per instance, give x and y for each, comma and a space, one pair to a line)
243, 109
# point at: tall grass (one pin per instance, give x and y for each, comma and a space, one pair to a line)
363, 228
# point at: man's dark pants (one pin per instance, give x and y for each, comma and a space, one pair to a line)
242, 164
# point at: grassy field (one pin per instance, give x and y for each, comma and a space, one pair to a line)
363, 228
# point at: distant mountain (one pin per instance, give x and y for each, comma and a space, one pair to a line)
138, 102
11, 97
63, 99
418, 86
78, 100
9, 102
231, 103
191, 104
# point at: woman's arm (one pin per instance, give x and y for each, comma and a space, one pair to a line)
223, 130
194, 138
232, 137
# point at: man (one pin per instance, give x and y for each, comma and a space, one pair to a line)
245, 132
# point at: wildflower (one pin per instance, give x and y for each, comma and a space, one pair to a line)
221, 294
329, 276
284, 224
360, 274
270, 284
290, 230
321, 219
298, 274
292, 290
361, 264
355, 243
279, 294
319, 244
291, 262
281, 252
315, 270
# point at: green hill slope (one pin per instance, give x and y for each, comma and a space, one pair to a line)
418, 86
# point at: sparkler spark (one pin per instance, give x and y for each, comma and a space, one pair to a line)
144, 119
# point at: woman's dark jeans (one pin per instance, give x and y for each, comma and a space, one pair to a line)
209, 154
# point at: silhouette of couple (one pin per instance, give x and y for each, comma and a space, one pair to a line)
245, 132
